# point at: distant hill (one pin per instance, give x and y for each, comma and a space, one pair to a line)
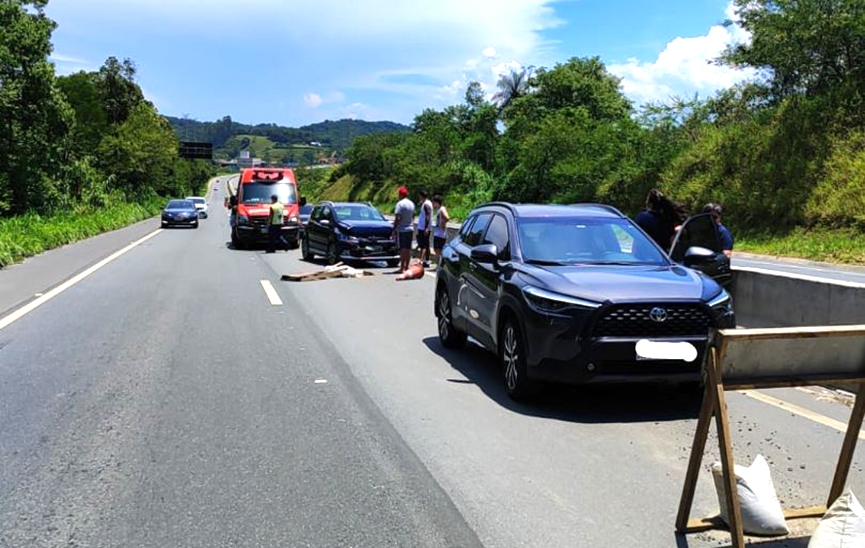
273, 142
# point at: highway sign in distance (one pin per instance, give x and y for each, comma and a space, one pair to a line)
196, 151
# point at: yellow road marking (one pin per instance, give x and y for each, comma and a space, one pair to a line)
271, 293
801, 411
33, 305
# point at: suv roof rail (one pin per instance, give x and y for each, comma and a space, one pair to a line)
605, 207
505, 205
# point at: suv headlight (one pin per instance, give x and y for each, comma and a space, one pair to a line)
293, 220
547, 302
722, 303
341, 236
242, 220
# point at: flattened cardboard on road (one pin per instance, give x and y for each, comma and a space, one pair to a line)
339, 270
772, 358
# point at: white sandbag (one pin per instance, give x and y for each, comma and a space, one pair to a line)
843, 526
761, 512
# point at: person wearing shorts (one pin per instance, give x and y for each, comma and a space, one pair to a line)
424, 227
402, 228
440, 232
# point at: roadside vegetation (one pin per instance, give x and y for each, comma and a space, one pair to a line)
79, 154
784, 153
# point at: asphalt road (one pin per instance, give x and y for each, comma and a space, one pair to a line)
164, 400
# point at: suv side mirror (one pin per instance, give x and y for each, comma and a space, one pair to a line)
485, 254
696, 256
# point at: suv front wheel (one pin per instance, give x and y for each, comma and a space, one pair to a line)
449, 336
512, 353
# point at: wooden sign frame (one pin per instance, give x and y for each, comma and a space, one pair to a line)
715, 406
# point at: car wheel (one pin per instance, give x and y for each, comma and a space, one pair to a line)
236, 242
449, 336
332, 255
512, 352
293, 243
305, 253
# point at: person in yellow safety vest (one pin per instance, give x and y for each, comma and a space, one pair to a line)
274, 225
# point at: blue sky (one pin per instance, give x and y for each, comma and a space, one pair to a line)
296, 62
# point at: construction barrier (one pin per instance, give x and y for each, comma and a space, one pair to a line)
741, 359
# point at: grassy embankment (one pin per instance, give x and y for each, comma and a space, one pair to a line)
31, 234
27, 235
844, 246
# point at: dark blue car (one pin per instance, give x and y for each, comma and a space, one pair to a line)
576, 294
180, 213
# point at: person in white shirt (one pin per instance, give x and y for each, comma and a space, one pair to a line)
440, 233
404, 215
424, 227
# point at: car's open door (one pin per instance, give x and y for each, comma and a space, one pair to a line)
698, 245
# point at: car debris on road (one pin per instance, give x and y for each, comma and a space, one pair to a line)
338, 270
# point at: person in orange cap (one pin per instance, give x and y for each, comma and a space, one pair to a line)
402, 228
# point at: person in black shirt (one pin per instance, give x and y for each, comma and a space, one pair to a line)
661, 218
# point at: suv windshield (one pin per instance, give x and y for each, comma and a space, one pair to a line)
553, 241
196, 200
357, 213
260, 193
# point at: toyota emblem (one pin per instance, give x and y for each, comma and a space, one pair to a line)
658, 314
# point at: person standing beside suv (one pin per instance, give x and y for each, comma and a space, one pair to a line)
724, 233
424, 227
440, 234
402, 228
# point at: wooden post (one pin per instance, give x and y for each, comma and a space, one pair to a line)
734, 513
848, 447
704, 422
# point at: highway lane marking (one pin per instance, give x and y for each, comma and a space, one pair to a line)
271, 293
797, 410
33, 305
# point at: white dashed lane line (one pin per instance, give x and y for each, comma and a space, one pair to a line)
271, 293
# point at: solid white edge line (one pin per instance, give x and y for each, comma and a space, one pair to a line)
33, 305
271, 293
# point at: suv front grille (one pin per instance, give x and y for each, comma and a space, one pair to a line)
634, 321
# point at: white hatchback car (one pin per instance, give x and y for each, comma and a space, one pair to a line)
200, 205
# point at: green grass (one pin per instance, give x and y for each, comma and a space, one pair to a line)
845, 246
27, 235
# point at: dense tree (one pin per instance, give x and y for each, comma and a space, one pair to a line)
35, 120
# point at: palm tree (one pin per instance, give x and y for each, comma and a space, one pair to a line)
511, 86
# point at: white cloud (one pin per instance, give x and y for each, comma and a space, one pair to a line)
350, 45
312, 100
60, 58
685, 66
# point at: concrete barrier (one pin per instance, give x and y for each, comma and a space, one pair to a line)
768, 298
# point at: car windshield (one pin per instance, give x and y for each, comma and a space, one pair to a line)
260, 193
359, 212
180, 204
553, 241
196, 200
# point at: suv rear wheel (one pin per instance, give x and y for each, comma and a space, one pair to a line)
512, 353
449, 335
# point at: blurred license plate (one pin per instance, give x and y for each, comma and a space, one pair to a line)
654, 350
264, 230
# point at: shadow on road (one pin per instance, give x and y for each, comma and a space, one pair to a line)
798, 542
586, 404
